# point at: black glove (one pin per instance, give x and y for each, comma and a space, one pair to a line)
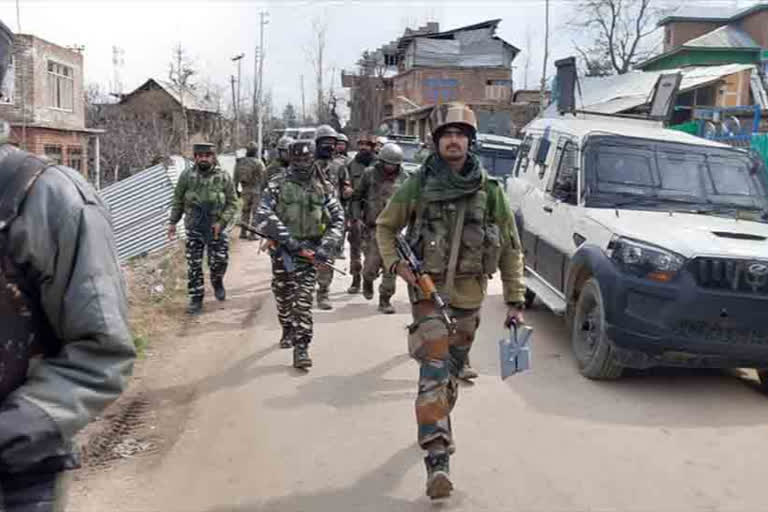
322, 255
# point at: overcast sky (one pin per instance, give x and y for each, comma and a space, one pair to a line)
215, 31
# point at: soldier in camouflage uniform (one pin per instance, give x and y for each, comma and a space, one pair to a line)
205, 195
460, 226
335, 173
279, 164
251, 176
355, 227
341, 159
301, 214
342, 147
378, 184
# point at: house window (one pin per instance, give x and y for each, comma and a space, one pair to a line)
7, 88
53, 153
75, 155
60, 86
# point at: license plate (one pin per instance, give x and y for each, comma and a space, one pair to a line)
721, 332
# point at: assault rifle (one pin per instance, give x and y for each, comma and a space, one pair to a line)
425, 283
285, 254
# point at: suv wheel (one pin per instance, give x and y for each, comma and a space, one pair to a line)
591, 347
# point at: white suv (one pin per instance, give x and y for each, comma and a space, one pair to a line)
652, 243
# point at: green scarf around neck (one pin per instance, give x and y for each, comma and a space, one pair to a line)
442, 184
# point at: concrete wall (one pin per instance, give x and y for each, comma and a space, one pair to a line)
30, 89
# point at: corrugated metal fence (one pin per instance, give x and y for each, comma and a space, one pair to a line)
140, 206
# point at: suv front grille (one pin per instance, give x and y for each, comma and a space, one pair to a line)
744, 276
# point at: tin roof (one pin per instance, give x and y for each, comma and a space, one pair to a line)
140, 206
711, 13
728, 36
191, 100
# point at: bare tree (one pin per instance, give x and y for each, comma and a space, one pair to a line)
316, 53
180, 74
620, 30
527, 61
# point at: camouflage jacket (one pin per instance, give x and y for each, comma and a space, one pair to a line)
250, 174
334, 172
374, 190
210, 194
489, 241
293, 210
355, 170
275, 168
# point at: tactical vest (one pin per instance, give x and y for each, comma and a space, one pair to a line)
300, 207
24, 330
480, 241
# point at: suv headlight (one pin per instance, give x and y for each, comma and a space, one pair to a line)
645, 260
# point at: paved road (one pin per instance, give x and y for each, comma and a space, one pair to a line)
244, 431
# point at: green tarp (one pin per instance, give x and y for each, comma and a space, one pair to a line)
760, 144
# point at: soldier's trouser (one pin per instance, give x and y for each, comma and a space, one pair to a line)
218, 260
374, 264
324, 279
440, 357
37, 492
355, 237
294, 293
250, 203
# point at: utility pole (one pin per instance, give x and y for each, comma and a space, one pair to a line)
543, 97
255, 102
238, 59
259, 142
234, 102
303, 110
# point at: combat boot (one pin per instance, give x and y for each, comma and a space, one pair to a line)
323, 302
385, 306
287, 340
367, 289
355, 286
467, 372
301, 357
438, 481
218, 288
195, 306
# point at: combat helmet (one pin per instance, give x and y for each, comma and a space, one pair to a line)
391, 154
453, 113
342, 138
284, 143
325, 131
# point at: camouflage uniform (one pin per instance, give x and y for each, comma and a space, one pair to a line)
275, 168
355, 217
335, 174
292, 213
251, 175
205, 199
490, 242
373, 191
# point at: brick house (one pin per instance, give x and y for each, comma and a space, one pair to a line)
426, 67
43, 101
713, 36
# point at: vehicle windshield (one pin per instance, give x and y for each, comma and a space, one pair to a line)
291, 133
497, 163
625, 171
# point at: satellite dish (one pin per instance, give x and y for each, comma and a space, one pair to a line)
664, 96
